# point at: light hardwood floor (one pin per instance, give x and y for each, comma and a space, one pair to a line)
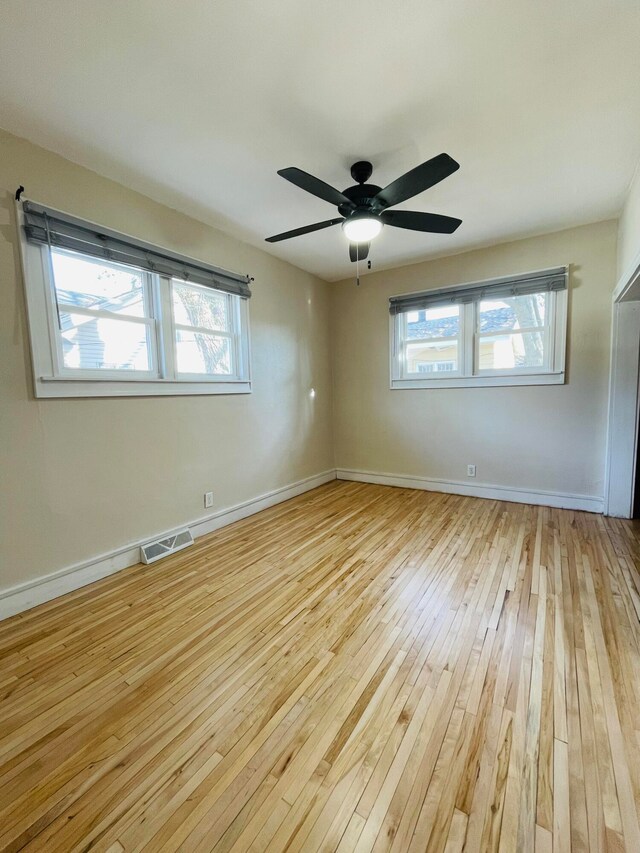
361, 668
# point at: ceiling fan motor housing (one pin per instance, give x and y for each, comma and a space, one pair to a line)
362, 196
361, 171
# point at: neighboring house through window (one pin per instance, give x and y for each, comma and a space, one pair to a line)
436, 366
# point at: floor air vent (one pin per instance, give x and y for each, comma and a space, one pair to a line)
153, 551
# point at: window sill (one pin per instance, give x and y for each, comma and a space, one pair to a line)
480, 381
62, 386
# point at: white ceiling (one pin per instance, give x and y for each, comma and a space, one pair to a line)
197, 103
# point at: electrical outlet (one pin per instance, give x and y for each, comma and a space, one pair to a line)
208, 500
471, 470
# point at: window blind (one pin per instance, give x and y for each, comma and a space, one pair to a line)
50, 227
535, 282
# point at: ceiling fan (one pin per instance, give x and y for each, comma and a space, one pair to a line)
363, 208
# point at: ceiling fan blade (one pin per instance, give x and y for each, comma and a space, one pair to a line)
306, 229
358, 251
414, 221
314, 186
418, 180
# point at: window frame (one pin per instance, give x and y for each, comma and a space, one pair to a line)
469, 375
52, 379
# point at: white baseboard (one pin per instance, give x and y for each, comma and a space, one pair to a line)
24, 596
476, 490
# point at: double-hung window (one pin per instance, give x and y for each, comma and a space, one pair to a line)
507, 331
111, 316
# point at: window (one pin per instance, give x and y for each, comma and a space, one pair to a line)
204, 331
508, 331
511, 333
432, 340
104, 316
113, 317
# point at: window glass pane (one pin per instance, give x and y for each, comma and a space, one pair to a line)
200, 307
432, 357
508, 352
99, 343
443, 322
197, 352
92, 283
515, 312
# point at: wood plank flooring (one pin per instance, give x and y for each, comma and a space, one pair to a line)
362, 668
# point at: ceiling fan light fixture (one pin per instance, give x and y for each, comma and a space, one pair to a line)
361, 229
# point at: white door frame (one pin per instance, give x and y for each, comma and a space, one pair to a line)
624, 396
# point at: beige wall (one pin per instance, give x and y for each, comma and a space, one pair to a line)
629, 228
79, 478
550, 438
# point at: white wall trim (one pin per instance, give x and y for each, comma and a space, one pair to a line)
561, 500
624, 395
628, 287
624, 402
22, 597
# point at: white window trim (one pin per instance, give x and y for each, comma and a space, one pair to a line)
553, 374
51, 380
